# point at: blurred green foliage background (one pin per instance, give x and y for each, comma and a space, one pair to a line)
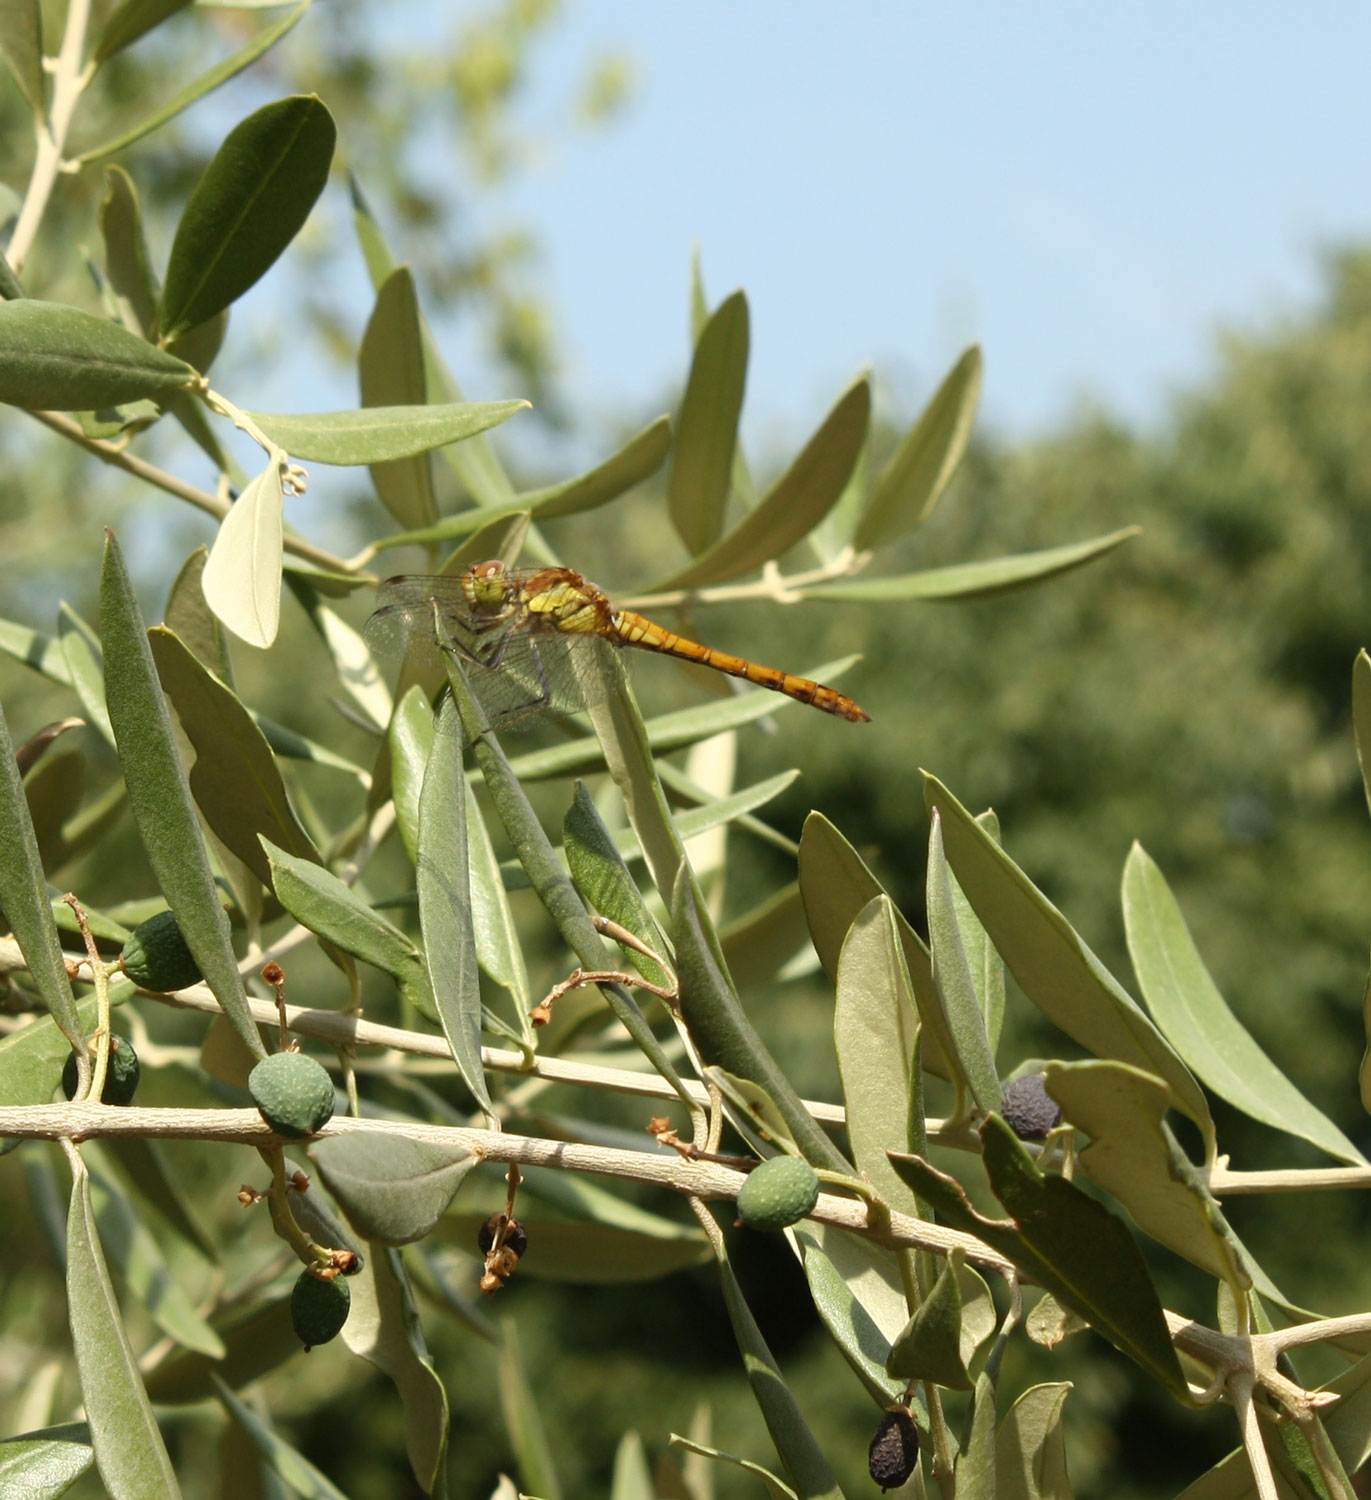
1191, 692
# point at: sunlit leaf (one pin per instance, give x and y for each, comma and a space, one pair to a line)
393, 1190
242, 579
603, 879
1064, 1240
804, 1462
235, 779
390, 363
373, 434
952, 979
1134, 1156
159, 795
199, 86
444, 888
795, 504
922, 466
21, 40
1197, 1021
849, 1295
251, 202
43, 1465
1030, 1450
131, 20
876, 1031
318, 899
128, 1445
1054, 967
707, 428
974, 580
383, 1328
131, 277
929, 1347
54, 357
24, 897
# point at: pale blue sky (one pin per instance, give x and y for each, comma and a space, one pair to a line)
1089, 190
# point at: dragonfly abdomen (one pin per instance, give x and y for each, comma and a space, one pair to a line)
632, 629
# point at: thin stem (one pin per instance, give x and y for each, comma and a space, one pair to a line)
1240, 1391
702, 1179
69, 79
211, 504
771, 585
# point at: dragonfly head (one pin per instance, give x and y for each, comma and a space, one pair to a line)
486, 585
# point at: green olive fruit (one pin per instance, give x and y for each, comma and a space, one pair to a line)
894, 1450
156, 957
779, 1192
1028, 1109
318, 1308
121, 1073
294, 1093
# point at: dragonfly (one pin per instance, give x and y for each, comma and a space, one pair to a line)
530, 639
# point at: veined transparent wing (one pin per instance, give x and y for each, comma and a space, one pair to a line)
515, 668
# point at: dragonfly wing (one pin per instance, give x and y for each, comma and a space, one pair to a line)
538, 672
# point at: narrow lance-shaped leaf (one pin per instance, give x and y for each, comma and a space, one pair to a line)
393, 1190
835, 885
43, 1465
974, 580
721, 1028
142, 1267
131, 20
444, 887
81, 646
1197, 1021
805, 1464
133, 1459
855, 1287
58, 358
876, 1032
391, 366
920, 469
383, 1328
1030, 1449
252, 201
499, 948
1361, 718
320, 901
199, 86
795, 504
1064, 1240
952, 980
1054, 967
476, 463
1133, 1155
410, 738
293, 1467
21, 40
640, 457
637, 460
603, 879
159, 796
548, 878
127, 265
707, 428
377, 434
24, 897
523, 1420
235, 779
929, 1348
242, 579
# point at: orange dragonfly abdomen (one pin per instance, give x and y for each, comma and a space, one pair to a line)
632, 629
